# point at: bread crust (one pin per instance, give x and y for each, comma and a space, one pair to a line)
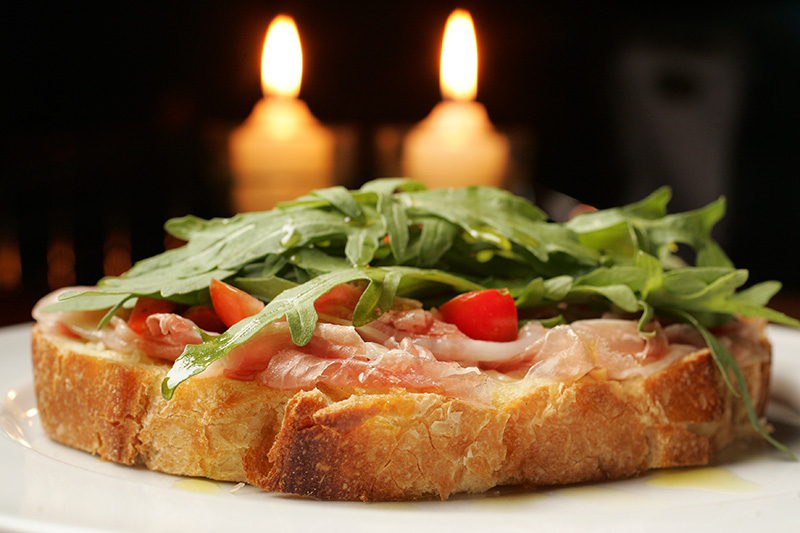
390, 445
110, 405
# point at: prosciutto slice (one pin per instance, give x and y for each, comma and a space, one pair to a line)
445, 340
407, 347
564, 352
338, 356
116, 335
164, 337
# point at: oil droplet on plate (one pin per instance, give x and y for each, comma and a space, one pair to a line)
507, 498
713, 479
608, 497
202, 486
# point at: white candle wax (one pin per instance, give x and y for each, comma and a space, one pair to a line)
280, 152
456, 145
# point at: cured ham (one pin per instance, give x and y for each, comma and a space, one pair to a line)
614, 345
164, 336
412, 348
406, 347
338, 356
560, 353
83, 324
251, 358
445, 340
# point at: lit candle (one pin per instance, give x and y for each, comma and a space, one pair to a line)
281, 151
456, 144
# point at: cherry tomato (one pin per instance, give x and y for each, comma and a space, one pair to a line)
232, 304
488, 315
205, 318
339, 302
144, 308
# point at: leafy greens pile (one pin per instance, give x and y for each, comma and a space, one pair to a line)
402, 239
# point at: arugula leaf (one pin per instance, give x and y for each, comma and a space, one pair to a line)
389, 186
86, 301
395, 220
435, 238
539, 292
645, 226
498, 218
377, 298
341, 199
267, 288
727, 366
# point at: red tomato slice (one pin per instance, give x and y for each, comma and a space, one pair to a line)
232, 304
144, 308
339, 302
205, 318
488, 315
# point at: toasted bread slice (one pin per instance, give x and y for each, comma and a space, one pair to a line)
354, 444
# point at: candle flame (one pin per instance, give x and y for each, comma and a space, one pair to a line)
282, 59
459, 64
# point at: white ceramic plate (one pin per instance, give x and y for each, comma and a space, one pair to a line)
47, 487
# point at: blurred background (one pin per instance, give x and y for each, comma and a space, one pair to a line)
119, 115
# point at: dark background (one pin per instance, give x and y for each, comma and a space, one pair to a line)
118, 114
